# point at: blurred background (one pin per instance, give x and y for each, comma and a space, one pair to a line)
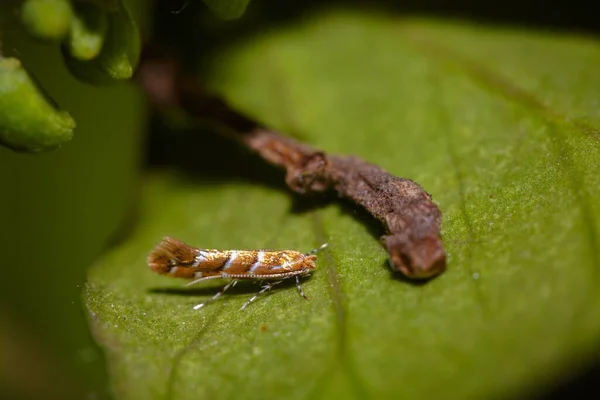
59, 211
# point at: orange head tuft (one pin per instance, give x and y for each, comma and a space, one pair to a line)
309, 262
170, 253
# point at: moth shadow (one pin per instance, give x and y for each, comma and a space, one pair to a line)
240, 288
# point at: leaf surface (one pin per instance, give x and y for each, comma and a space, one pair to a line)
500, 126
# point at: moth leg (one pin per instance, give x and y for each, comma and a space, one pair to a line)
300, 288
216, 296
195, 281
265, 288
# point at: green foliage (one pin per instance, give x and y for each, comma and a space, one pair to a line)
29, 120
500, 126
120, 51
47, 19
100, 45
227, 9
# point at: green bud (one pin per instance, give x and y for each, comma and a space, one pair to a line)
121, 52
29, 119
88, 31
119, 55
47, 19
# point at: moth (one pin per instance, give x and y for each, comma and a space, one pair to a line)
174, 258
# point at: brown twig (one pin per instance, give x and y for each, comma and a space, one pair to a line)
410, 217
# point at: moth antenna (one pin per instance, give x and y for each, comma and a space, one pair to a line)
315, 251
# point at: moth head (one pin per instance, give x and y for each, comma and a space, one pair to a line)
309, 262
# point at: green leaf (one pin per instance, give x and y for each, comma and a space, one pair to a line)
227, 9
500, 126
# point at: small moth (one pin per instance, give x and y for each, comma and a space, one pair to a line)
175, 258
